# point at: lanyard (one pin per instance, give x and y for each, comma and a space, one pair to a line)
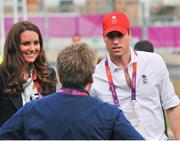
111, 84
72, 92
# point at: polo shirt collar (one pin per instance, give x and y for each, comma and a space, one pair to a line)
114, 67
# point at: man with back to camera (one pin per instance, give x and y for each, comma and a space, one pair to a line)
70, 113
136, 82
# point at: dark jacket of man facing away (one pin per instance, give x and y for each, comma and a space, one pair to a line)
70, 113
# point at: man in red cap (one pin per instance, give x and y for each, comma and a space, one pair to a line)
136, 82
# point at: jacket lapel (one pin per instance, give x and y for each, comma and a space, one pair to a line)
16, 100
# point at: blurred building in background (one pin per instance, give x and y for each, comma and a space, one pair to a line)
157, 10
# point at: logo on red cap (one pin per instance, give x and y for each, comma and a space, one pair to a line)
115, 21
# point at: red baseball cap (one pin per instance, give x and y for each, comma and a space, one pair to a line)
115, 21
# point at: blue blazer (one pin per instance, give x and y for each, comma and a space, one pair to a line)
62, 117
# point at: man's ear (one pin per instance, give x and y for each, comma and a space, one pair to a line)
129, 33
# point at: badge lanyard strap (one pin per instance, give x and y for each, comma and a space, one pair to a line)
133, 84
111, 84
72, 92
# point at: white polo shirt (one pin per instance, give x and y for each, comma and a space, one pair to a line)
154, 91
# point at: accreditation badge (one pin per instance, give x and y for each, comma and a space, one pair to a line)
132, 116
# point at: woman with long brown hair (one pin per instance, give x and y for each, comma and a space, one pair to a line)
24, 72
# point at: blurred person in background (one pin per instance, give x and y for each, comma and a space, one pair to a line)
70, 113
75, 38
144, 45
136, 82
24, 72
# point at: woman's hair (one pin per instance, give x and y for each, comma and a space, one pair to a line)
13, 62
75, 65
